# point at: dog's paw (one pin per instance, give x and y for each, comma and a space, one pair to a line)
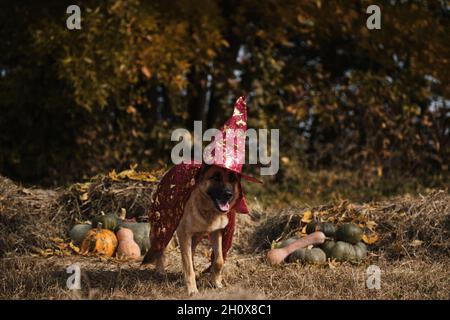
192, 291
217, 282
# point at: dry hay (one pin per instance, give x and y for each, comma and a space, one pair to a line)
35, 220
406, 226
129, 190
29, 218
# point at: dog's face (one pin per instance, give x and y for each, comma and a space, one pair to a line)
221, 187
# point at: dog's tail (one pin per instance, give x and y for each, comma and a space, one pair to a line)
151, 256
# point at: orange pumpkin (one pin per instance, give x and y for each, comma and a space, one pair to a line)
100, 241
127, 248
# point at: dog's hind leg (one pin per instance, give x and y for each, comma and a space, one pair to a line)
161, 263
217, 263
156, 257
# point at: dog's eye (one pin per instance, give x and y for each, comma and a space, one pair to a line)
216, 177
232, 177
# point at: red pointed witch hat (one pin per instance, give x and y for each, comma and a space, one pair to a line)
228, 151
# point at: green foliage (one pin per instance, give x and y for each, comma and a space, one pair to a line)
78, 102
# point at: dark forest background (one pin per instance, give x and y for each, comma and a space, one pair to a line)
358, 109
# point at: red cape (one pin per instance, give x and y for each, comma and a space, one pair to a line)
168, 204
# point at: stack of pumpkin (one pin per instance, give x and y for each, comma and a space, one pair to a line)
109, 234
343, 244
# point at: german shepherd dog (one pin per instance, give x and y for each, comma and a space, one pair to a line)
205, 213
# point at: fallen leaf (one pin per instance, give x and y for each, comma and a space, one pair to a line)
74, 247
131, 174
371, 225
304, 230
56, 239
416, 243
84, 197
332, 263
370, 239
307, 216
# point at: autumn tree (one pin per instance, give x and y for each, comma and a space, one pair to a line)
76, 102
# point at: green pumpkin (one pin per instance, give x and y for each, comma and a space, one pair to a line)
343, 251
285, 243
311, 227
362, 245
297, 255
315, 256
141, 233
328, 228
349, 232
327, 246
78, 233
108, 221
312, 256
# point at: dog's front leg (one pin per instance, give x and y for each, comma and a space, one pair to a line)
186, 257
217, 264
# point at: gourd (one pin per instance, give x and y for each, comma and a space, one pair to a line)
141, 232
328, 228
327, 246
100, 241
127, 247
312, 256
349, 232
109, 221
277, 255
78, 232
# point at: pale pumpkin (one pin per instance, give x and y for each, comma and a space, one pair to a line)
141, 233
127, 247
99, 241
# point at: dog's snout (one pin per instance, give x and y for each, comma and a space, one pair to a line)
227, 195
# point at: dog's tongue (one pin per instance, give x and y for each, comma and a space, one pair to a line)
224, 206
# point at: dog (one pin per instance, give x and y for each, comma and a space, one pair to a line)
205, 214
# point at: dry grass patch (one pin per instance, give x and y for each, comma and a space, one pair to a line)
413, 250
